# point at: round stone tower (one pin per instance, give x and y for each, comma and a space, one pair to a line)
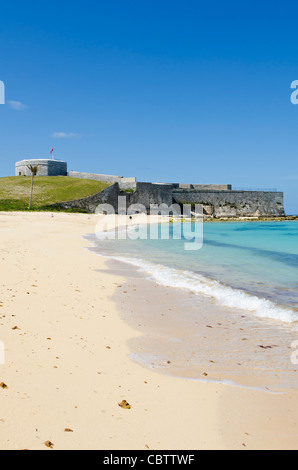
45, 167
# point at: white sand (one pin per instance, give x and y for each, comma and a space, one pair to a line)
67, 365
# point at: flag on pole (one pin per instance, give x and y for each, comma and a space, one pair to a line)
52, 150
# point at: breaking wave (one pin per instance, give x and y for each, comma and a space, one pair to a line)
224, 295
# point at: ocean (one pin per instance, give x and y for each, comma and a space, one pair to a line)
245, 273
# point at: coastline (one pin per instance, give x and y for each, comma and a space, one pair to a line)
251, 219
67, 363
190, 336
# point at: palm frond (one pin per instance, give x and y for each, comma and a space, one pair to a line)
33, 169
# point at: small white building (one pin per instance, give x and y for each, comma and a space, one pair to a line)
46, 167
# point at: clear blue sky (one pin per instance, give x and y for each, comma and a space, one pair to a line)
167, 90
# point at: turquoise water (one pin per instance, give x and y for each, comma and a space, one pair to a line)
247, 265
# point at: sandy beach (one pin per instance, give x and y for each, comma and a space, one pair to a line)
67, 364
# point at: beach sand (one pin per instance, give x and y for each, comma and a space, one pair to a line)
67, 364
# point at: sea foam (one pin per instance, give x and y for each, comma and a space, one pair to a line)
224, 295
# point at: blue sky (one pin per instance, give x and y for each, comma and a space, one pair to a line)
171, 91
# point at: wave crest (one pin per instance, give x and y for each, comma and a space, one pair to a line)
224, 295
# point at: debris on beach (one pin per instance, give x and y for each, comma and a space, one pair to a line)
49, 444
3, 385
124, 404
68, 430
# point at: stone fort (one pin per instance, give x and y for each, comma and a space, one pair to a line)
218, 200
45, 167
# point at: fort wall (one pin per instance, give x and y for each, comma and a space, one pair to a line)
234, 203
215, 203
124, 183
45, 167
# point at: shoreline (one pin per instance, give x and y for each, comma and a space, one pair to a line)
67, 363
196, 344
164, 218
251, 219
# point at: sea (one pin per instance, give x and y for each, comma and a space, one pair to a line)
244, 273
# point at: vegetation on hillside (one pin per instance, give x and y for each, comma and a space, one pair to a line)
15, 191
34, 170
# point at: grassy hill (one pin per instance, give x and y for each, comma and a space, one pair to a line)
15, 191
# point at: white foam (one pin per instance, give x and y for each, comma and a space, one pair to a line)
224, 295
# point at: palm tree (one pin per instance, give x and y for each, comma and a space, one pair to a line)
34, 170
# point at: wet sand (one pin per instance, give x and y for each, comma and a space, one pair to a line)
68, 366
190, 335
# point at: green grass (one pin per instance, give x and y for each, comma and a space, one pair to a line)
15, 191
